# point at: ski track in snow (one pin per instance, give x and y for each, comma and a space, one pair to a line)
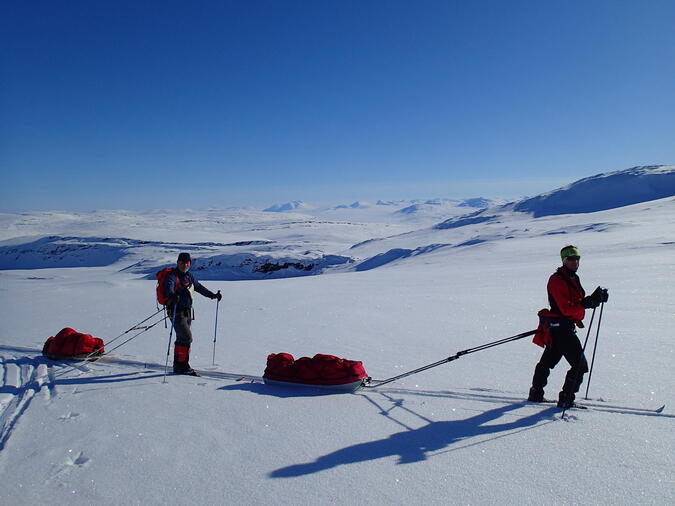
22, 379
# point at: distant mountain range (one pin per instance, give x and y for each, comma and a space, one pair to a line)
401, 206
253, 245
288, 206
596, 193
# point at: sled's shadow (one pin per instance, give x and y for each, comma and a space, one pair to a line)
280, 391
416, 445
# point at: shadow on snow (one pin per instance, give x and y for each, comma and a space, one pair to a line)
416, 445
282, 391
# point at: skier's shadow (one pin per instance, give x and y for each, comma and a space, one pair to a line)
416, 445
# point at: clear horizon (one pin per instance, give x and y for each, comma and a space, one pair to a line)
128, 106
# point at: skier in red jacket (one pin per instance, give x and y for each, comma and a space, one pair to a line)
568, 303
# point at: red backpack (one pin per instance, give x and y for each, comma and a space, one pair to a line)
161, 285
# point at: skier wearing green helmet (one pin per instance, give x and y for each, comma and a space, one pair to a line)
568, 302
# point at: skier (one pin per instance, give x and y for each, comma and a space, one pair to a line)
568, 302
179, 288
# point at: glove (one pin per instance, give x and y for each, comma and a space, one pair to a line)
600, 295
218, 296
593, 300
589, 302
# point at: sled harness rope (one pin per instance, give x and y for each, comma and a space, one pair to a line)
367, 382
139, 326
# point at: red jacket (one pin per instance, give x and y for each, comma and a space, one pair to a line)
565, 294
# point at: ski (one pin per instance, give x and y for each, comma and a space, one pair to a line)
602, 406
609, 408
548, 401
193, 374
251, 379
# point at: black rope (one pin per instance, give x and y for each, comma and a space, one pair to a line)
138, 326
135, 327
453, 357
143, 329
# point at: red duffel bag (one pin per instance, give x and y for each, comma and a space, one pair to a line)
321, 369
70, 344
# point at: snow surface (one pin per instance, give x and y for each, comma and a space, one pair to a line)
113, 432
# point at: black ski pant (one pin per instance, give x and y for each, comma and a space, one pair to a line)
181, 325
565, 344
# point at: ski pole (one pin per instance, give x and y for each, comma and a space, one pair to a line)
595, 347
456, 356
582, 357
168, 349
215, 332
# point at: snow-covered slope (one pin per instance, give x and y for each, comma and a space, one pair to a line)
604, 191
112, 432
534, 216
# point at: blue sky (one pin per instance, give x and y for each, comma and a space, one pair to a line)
218, 103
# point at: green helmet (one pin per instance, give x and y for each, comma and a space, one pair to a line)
569, 251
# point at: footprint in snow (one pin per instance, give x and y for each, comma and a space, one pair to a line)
79, 460
68, 416
74, 460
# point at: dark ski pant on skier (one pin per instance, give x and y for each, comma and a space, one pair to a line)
565, 344
181, 326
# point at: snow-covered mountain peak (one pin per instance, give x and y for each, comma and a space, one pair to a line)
288, 206
604, 191
359, 204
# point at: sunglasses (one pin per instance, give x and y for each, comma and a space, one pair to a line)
573, 258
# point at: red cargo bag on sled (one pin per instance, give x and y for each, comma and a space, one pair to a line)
70, 344
326, 371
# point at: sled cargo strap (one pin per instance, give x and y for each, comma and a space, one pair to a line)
453, 357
